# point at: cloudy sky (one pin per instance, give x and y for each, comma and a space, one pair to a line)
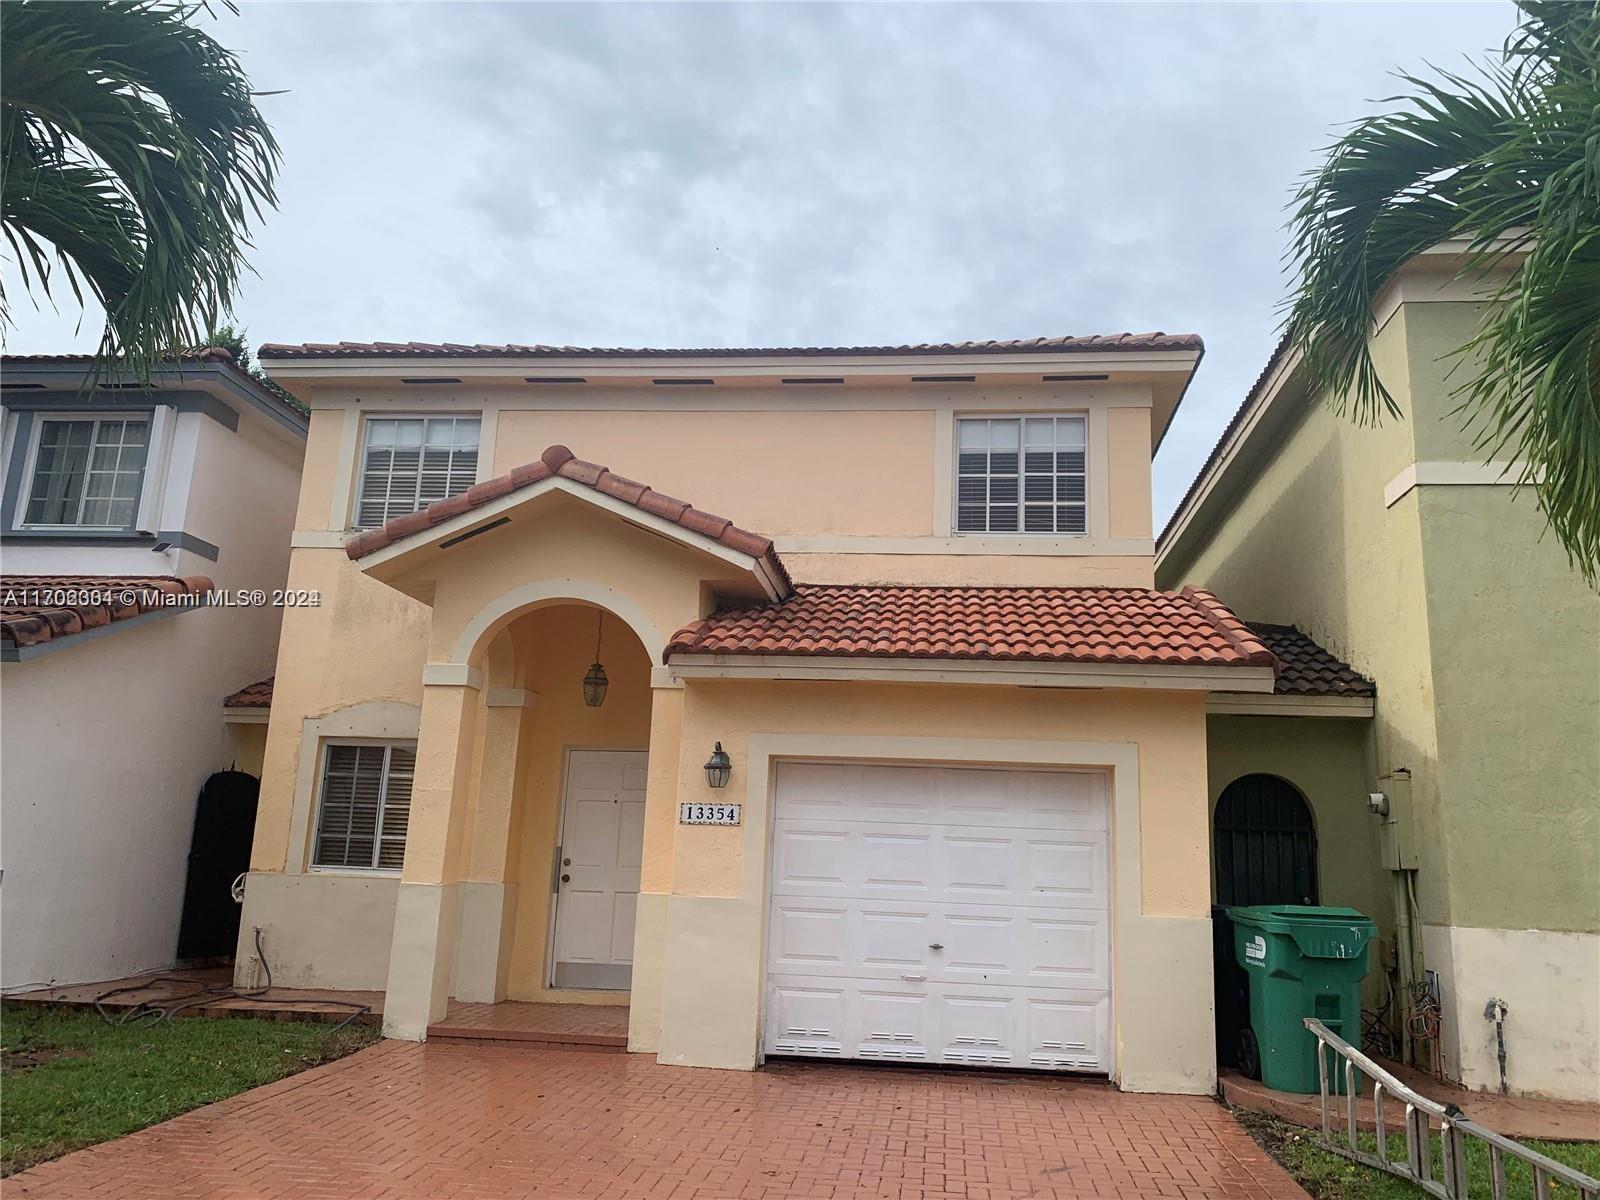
784, 174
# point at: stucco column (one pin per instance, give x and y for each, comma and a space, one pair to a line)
427, 907
655, 877
488, 889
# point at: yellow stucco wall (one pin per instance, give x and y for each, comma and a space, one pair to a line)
710, 925
561, 647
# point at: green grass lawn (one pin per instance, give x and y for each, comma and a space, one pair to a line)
71, 1080
1328, 1176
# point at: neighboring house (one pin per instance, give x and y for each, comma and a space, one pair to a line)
1398, 549
127, 510
916, 773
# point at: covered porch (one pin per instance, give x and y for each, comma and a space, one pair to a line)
544, 777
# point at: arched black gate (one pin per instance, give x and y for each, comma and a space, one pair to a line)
1265, 843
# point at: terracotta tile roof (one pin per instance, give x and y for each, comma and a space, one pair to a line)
1306, 669
253, 695
558, 460
1110, 341
42, 608
1025, 624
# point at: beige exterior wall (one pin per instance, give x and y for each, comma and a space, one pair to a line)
711, 974
853, 487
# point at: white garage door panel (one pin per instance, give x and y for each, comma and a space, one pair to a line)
1033, 947
939, 863
975, 1026
1005, 872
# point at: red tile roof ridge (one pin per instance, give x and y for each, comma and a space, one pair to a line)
559, 460
1240, 634
1153, 340
992, 622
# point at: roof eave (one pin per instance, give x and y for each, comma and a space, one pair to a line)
1252, 678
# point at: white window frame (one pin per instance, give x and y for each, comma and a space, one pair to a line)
1020, 531
365, 433
324, 754
24, 494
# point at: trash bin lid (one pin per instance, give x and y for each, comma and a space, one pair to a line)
1318, 931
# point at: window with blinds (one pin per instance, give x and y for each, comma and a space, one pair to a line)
365, 806
87, 473
1021, 475
408, 463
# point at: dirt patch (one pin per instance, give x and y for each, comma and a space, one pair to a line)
23, 1060
1277, 1137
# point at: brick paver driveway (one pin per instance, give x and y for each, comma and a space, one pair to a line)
477, 1122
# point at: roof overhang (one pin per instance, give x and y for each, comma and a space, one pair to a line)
1167, 372
32, 377
1287, 704
417, 552
246, 715
998, 672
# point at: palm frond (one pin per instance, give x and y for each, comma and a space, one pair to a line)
1507, 164
133, 148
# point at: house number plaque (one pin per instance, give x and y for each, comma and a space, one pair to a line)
708, 814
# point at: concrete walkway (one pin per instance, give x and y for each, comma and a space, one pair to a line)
483, 1121
1514, 1116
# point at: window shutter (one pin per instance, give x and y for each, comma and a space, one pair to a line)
365, 807
411, 463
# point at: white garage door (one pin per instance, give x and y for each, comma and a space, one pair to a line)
941, 915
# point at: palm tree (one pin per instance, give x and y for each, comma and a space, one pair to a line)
1509, 162
133, 160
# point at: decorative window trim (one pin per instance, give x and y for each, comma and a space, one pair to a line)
1055, 503
30, 466
363, 436
374, 721
325, 774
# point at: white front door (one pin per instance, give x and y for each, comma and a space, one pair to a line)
597, 875
941, 915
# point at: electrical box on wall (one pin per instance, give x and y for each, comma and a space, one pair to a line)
1397, 843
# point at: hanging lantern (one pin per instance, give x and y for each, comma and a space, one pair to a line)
595, 682
718, 767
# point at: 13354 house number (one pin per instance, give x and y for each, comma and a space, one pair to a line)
708, 814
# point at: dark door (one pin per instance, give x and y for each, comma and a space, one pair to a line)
1265, 849
1265, 844
224, 824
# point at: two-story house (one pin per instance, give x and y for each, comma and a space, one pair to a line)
901, 757
127, 508
1404, 552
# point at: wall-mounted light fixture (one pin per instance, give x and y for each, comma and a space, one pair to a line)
595, 682
718, 767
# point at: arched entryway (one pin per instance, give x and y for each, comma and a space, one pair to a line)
1263, 851
1264, 843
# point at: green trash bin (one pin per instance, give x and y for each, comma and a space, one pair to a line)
1302, 961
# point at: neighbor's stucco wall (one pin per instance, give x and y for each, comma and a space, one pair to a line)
94, 846
1482, 642
1329, 760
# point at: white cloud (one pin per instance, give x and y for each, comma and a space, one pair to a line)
781, 174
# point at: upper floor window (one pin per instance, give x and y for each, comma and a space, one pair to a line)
365, 806
409, 462
87, 473
1021, 475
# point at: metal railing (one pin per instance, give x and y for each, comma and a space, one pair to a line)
1455, 1130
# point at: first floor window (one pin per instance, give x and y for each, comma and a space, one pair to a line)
365, 806
87, 473
1021, 475
408, 463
